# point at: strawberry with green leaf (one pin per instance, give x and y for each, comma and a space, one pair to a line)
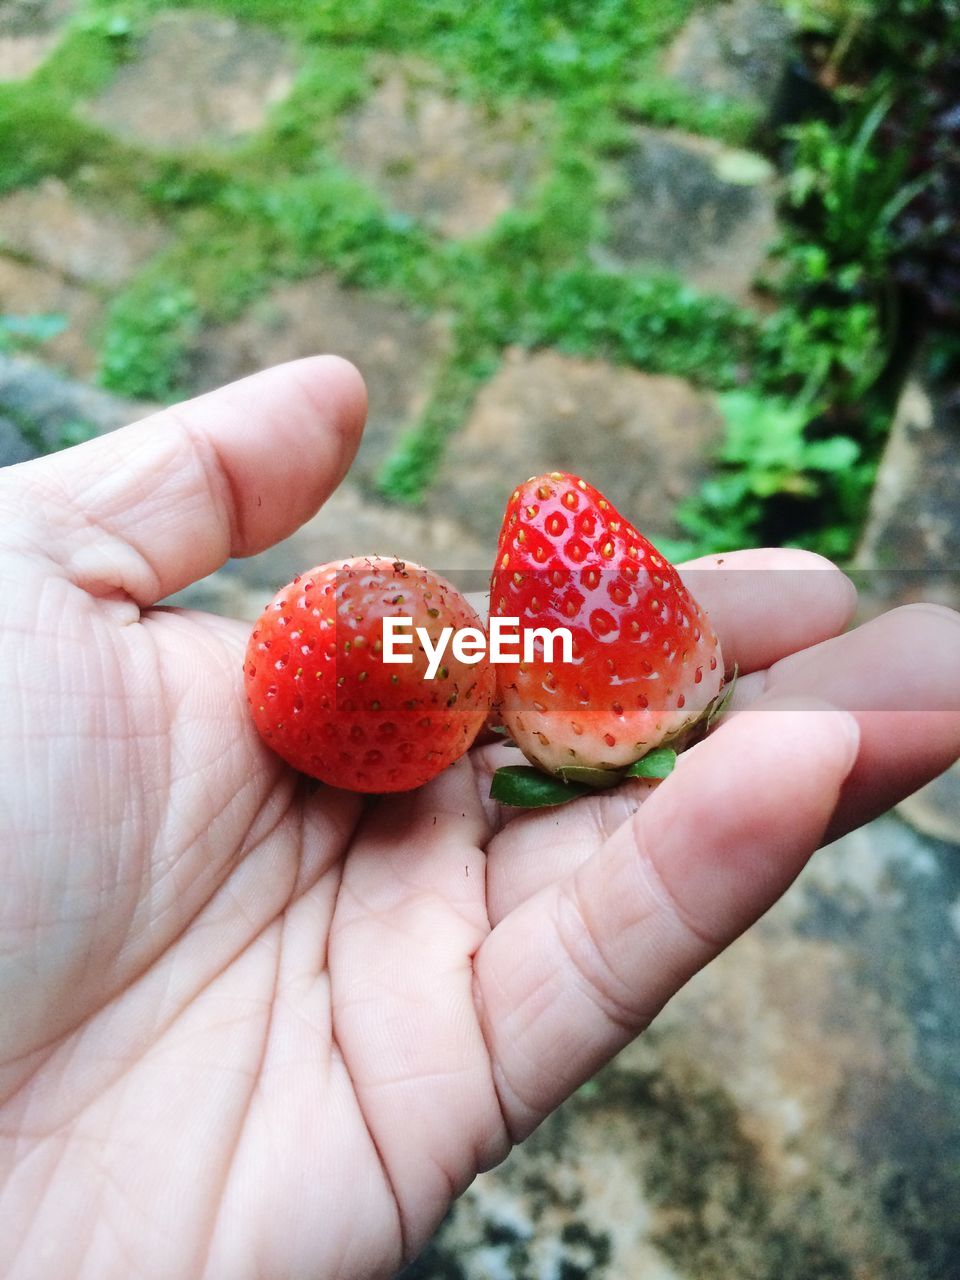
645, 673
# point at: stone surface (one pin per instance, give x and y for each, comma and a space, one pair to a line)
935, 809
644, 440
794, 1114
27, 290
48, 404
29, 31
910, 551
738, 50
440, 159
396, 351
195, 79
689, 205
911, 544
88, 242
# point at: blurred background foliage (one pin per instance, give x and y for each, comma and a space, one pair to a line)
867, 264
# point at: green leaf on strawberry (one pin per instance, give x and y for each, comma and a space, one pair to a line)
655, 764
522, 786
525, 786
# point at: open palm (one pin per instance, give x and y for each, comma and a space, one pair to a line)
254, 1027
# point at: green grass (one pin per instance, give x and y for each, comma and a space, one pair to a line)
656, 100
407, 472
148, 339
282, 207
37, 139
511, 48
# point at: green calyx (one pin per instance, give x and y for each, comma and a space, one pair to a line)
526, 787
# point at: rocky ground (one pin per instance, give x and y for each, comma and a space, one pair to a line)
795, 1113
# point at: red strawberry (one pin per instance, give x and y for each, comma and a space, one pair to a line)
646, 662
325, 700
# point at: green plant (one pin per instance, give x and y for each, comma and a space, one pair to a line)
657, 323
824, 353
841, 22
406, 473
832, 336
778, 480
148, 337
847, 190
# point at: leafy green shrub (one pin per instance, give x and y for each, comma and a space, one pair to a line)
826, 353
778, 482
835, 327
847, 190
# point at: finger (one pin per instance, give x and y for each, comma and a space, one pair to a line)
900, 675
909, 717
532, 848
574, 973
767, 603
151, 508
539, 847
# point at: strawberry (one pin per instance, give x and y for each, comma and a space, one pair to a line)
323, 697
646, 665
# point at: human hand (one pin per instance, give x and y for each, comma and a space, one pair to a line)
255, 1027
